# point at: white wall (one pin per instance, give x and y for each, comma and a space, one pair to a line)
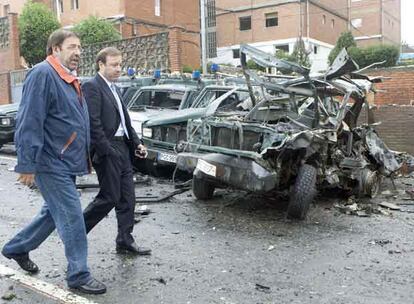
319, 61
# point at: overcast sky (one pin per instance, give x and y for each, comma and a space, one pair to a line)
407, 21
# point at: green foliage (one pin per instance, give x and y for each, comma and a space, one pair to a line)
281, 54
367, 55
35, 23
94, 30
407, 62
376, 53
188, 69
299, 54
345, 40
251, 65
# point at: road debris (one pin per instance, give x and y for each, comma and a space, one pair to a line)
143, 210
262, 288
390, 206
158, 199
8, 296
380, 242
159, 280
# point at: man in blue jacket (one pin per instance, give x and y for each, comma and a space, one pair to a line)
52, 143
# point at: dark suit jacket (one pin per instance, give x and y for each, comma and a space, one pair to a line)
105, 118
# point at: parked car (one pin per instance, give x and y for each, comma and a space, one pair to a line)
7, 122
165, 134
151, 101
308, 141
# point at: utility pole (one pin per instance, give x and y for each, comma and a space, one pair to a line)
203, 35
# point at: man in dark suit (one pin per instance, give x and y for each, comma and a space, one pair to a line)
113, 146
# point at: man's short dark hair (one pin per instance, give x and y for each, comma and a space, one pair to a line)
57, 38
104, 53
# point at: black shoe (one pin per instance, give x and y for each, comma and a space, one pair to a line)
132, 249
93, 286
24, 262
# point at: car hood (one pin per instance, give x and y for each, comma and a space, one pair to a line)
9, 109
139, 117
177, 116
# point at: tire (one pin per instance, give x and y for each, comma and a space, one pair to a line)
202, 189
304, 191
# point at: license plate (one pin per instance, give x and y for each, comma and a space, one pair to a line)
171, 158
207, 168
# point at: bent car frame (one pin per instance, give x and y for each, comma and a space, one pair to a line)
304, 138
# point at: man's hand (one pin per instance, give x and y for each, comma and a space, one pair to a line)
26, 179
141, 151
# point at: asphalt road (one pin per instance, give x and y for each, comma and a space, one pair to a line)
238, 248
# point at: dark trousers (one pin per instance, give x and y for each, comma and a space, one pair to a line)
117, 189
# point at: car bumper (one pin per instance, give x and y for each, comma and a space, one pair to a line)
6, 136
241, 173
161, 157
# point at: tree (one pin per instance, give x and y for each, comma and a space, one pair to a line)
375, 53
300, 54
94, 30
345, 40
35, 23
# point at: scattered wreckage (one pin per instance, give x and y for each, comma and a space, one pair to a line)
303, 135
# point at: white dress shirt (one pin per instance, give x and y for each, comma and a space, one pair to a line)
122, 130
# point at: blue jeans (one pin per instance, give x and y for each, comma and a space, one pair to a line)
61, 209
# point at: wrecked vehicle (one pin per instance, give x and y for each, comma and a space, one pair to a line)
7, 122
165, 134
302, 143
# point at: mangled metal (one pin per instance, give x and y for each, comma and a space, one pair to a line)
304, 136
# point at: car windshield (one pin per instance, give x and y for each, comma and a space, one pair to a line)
211, 95
157, 99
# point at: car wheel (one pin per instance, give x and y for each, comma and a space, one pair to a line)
304, 191
202, 189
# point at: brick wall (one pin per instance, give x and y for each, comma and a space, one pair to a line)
9, 59
397, 126
398, 89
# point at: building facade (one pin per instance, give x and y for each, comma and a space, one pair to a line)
376, 21
131, 18
271, 25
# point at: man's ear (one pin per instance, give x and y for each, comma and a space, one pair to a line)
56, 49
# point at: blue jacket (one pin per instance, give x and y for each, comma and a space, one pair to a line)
52, 128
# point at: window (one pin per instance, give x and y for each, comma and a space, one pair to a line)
236, 53
158, 8
6, 10
211, 13
332, 23
245, 23
323, 19
282, 47
356, 23
74, 5
211, 45
271, 19
61, 6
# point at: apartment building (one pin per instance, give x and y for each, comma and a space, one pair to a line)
277, 24
376, 21
132, 18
